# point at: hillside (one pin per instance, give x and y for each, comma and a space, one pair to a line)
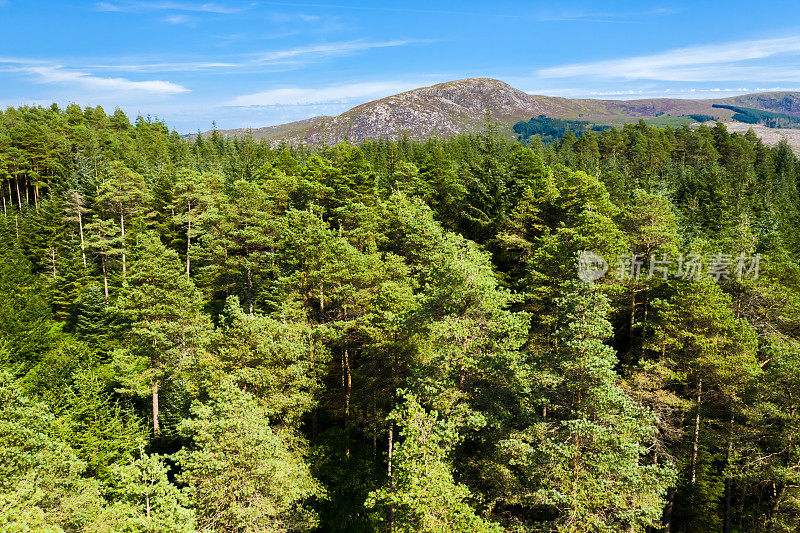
455, 107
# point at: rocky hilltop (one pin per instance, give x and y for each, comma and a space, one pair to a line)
460, 107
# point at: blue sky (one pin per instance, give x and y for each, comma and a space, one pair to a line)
253, 63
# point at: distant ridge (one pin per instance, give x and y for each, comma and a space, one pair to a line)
456, 107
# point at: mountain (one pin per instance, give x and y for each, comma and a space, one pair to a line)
460, 107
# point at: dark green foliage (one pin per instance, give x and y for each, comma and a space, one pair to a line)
703, 118
553, 129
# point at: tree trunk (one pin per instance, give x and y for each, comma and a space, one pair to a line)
696, 440
83, 248
773, 513
105, 279
19, 198
374, 428
632, 320
726, 524
391, 474
742, 498
646, 303
347, 383
250, 290
666, 517
391, 438
122, 234
156, 427
188, 239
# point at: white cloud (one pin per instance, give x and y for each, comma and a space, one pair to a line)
325, 95
56, 74
328, 50
132, 6
291, 57
698, 63
604, 16
178, 66
178, 19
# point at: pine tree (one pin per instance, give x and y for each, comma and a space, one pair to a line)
144, 499
123, 193
41, 483
422, 495
162, 309
585, 463
245, 473
192, 198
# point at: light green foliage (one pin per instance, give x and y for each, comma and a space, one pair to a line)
144, 500
161, 308
41, 488
650, 223
244, 473
193, 198
714, 357
424, 495
277, 362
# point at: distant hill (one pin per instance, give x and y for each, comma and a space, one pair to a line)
778, 102
460, 107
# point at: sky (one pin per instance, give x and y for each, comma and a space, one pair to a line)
253, 63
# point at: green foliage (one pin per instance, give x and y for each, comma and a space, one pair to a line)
41, 488
423, 496
160, 312
262, 306
244, 473
145, 500
585, 461
553, 129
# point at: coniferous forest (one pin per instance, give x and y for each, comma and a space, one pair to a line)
221, 335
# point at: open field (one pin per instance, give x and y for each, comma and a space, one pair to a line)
770, 136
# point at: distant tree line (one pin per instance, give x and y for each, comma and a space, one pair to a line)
552, 129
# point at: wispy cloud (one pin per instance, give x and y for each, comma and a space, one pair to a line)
735, 61
56, 74
288, 57
328, 50
176, 66
178, 19
324, 95
134, 6
605, 16
395, 9
48, 73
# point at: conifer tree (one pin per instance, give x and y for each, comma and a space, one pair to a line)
585, 463
162, 311
245, 473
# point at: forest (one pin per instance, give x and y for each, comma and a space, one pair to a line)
221, 335
552, 129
